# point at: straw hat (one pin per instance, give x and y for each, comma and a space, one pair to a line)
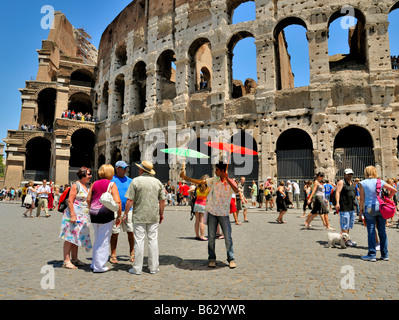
147, 167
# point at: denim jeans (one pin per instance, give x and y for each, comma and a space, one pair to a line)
375, 221
224, 222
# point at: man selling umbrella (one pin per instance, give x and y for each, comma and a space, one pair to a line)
218, 208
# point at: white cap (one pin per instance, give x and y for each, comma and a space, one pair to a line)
348, 171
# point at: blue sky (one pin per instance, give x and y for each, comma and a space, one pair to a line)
20, 22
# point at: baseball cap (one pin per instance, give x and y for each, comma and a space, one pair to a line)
121, 164
348, 171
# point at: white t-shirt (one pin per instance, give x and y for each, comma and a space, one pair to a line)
296, 188
43, 189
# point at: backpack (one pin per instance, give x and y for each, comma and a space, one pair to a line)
63, 200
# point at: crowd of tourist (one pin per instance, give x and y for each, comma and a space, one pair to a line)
116, 203
79, 116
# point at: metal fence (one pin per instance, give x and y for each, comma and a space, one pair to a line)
355, 158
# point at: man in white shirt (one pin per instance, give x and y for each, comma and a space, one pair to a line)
42, 194
297, 192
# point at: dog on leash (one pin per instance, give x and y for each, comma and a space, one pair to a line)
337, 239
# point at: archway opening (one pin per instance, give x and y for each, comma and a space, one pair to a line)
119, 103
80, 103
82, 149
200, 73
37, 159
160, 161
139, 87
83, 78
351, 151
242, 64
295, 160
135, 158
120, 56
104, 103
291, 54
166, 76
393, 30
242, 11
347, 40
46, 107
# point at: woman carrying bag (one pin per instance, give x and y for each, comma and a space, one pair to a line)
103, 201
370, 209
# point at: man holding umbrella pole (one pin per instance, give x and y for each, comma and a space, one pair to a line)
218, 208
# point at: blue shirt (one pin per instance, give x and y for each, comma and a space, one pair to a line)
327, 188
122, 184
370, 193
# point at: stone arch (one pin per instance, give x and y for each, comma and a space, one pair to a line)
357, 39
135, 158
83, 78
73, 129
160, 160
46, 104
283, 65
200, 59
27, 138
82, 148
119, 98
353, 148
80, 102
196, 168
233, 5
120, 56
139, 87
103, 112
237, 88
295, 160
38, 156
116, 155
166, 76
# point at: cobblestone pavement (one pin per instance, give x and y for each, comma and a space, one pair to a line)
274, 261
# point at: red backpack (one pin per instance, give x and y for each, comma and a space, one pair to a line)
63, 200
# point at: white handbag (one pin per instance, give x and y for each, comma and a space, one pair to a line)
107, 200
28, 199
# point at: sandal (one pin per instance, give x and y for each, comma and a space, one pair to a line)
113, 259
132, 257
69, 265
78, 263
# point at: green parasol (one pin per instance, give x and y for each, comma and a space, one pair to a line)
186, 153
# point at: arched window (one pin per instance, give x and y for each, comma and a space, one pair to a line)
80, 102
82, 149
291, 54
83, 78
242, 11
393, 29
135, 158
104, 103
347, 40
120, 57
46, 101
242, 64
38, 155
166, 76
119, 98
200, 73
139, 87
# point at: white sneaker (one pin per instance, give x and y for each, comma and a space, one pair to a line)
134, 272
377, 247
154, 272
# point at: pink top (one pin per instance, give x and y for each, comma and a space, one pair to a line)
99, 187
201, 197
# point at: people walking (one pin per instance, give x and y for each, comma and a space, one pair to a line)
122, 182
307, 191
345, 204
254, 194
319, 205
146, 195
296, 193
369, 209
218, 209
31, 192
75, 221
102, 218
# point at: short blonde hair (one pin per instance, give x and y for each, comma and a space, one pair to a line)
106, 171
370, 172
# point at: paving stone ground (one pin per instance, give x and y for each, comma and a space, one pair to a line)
274, 262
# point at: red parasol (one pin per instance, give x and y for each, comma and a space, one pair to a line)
231, 148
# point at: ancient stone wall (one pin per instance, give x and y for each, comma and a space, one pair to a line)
340, 95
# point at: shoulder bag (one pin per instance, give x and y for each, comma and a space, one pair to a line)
107, 200
387, 206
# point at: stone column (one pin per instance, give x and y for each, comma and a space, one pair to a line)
318, 55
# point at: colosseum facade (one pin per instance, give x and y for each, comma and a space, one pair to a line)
164, 78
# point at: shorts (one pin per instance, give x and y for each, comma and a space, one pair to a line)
347, 219
241, 205
125, 226
253, 198
199, 208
